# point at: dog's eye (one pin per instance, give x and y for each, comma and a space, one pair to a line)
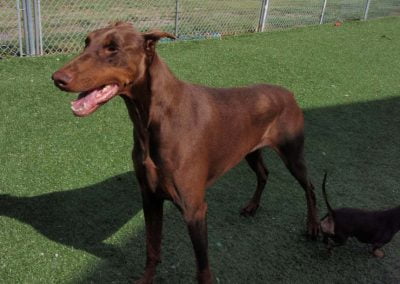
111, 48
87, 42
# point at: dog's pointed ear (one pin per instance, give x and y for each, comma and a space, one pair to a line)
152, 37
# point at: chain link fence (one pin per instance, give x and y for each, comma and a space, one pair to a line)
36, 27
9, 28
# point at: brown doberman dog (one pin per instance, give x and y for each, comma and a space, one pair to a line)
185, 136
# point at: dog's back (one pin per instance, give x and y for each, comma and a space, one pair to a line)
367, 226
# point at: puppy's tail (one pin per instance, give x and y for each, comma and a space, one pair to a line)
330, 210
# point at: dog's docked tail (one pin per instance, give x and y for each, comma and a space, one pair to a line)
325, 195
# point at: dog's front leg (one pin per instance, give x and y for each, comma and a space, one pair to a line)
195, 217
153, 215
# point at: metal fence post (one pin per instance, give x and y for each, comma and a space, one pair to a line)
263, 15
19, 28
366, 9
321, 19
176, 18
32, 27
24, 19
38, 28
28, 25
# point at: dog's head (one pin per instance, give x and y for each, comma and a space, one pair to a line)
327, 225
113, 60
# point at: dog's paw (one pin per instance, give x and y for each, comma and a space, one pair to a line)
143, 281
147, 278
313, 231
249, 210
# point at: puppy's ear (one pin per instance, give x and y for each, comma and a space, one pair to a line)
152, 37
328, 225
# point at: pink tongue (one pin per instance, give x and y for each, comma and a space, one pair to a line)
88, 103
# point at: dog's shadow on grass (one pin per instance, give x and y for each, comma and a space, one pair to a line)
80, 218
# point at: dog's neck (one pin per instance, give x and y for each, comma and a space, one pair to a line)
154, 93
392, 217
151, 97
165, 90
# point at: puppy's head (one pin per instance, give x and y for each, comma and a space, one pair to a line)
328, 225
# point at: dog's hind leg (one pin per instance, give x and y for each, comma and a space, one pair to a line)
292, 154
255, 161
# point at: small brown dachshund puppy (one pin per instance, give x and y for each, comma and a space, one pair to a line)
371, 227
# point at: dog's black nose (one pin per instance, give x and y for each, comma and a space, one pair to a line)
61, 79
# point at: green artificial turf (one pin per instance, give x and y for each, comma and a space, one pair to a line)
70, 209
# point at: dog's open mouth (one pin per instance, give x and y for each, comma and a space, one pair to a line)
89, 101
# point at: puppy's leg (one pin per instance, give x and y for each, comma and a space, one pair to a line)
339, 239
334, 241
328, 244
